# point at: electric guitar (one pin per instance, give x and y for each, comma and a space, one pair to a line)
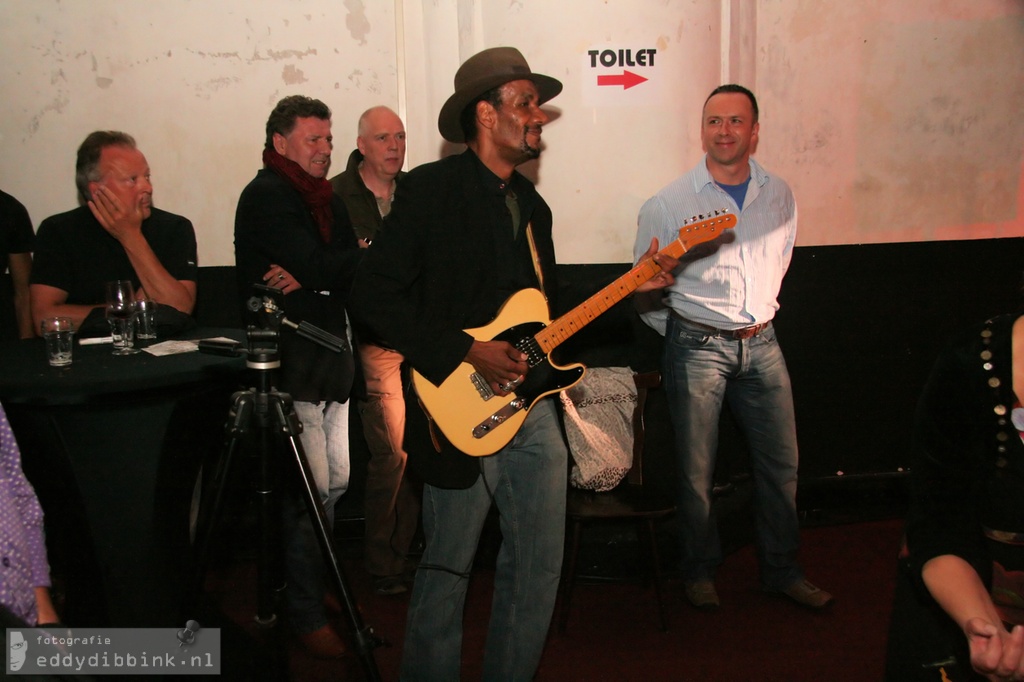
480, 422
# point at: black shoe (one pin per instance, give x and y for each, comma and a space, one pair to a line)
389, 585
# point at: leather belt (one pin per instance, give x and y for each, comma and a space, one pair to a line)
737, 334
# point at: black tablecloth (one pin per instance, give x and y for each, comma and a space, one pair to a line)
113, 445
95, 372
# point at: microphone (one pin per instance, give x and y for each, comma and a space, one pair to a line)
269, 305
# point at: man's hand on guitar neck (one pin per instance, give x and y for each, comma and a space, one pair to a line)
648, 295
500, 363
665, 277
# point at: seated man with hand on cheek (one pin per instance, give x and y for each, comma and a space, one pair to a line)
115, 234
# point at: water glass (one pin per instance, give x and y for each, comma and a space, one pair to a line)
122, 332
145, 319
58, 332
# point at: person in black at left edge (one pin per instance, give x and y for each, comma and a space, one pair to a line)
16, 243
293, 233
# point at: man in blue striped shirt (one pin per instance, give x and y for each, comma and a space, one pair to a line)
720, 345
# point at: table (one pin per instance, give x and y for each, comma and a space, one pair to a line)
112, 445
27, 379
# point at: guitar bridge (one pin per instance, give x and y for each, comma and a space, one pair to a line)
481, 385
498, 418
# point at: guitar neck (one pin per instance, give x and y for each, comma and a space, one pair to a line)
564, 327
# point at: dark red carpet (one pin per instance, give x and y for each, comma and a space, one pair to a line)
612, 632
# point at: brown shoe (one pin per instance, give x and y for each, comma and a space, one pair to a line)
807, 595
332, 604
702, 595
323, 643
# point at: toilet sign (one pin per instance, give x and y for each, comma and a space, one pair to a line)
620, 76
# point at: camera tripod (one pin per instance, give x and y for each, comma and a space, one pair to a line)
272, 414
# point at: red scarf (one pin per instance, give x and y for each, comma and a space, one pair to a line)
316, 192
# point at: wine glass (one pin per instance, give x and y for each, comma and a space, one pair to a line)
120, 314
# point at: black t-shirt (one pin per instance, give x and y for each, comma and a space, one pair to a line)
16, 236
75, 254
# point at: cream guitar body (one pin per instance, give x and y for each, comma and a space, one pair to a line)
476, 420
479, 422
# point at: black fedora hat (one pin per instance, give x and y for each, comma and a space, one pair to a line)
483, 71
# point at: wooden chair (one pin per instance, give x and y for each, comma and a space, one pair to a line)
629, 501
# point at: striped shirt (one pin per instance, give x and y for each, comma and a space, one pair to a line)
736, 284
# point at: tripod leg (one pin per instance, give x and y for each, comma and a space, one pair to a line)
246, 408
208, 521
364, 637
270, 578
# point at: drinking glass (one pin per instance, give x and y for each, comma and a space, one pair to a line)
58, 333
145, 319
121, 316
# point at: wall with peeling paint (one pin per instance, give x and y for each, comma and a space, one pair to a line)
192, 81
892, 121
896, 121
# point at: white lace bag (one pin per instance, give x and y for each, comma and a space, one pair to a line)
599, 427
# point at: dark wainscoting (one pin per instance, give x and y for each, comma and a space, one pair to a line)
217, 300
860, 326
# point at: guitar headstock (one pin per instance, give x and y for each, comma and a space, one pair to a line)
708, 228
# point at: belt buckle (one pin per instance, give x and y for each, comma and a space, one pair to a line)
748, 332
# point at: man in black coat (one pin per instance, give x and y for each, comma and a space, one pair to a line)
455, 246
293, 233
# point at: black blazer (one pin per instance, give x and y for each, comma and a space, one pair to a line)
445, 262
273, 225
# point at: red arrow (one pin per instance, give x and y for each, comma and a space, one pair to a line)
627, 80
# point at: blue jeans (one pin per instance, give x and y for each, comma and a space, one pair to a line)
701, 370
527, 482
324, 439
